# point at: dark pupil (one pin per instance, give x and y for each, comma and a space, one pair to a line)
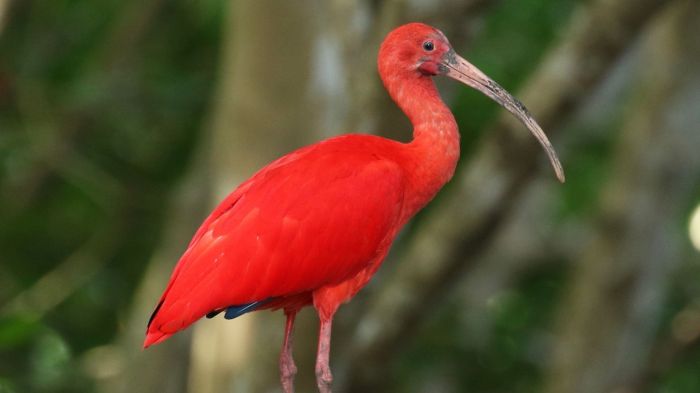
428, 45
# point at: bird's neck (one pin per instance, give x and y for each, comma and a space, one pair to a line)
434, 151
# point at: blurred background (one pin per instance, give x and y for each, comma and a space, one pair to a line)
122, 123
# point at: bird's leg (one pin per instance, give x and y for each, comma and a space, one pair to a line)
323, 370
287, 367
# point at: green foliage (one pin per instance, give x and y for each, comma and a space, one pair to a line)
684, 377
16, 331
588, 171
102, 105
503, 353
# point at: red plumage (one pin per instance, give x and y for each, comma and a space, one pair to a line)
314, 225
314, 218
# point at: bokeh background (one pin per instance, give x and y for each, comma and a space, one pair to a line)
122, 123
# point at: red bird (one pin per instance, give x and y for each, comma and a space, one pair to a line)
313, 226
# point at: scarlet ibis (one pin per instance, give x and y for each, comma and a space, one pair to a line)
312, 227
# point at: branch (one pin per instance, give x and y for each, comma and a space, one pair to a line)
4, 11
144, 371
500, 171
70, 275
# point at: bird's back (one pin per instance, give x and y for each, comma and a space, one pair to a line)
313, 218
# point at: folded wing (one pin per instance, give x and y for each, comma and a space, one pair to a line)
313, 218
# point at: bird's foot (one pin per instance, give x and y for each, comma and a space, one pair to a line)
324, 378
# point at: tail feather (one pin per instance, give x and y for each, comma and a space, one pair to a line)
154, 336
237, 311
153, 315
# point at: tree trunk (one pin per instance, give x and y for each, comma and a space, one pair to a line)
281, 85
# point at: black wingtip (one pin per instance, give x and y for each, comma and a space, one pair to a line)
150, 320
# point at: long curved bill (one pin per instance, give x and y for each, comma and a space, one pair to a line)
458, 68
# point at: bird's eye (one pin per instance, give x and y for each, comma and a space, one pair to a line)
428, 46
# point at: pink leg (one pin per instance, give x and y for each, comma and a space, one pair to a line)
323, 370
287, 367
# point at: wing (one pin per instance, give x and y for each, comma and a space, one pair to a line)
313, 218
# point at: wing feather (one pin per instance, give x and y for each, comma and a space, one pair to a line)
313, 218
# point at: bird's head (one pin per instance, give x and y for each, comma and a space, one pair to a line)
418, 51
414, 50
